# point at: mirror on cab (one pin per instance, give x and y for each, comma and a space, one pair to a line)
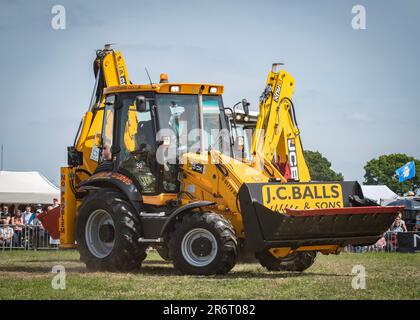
141, 105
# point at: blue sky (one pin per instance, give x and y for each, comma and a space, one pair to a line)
357, 91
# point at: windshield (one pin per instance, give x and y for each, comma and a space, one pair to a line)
178, 116
179, 119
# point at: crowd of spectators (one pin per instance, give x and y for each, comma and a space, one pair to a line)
389, 241
20, 225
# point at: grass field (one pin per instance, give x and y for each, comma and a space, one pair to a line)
27, 275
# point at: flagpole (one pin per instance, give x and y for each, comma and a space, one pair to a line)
1, 167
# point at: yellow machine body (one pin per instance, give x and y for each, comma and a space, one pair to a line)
261, 191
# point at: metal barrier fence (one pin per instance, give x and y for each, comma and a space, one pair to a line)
25, 237
388, 243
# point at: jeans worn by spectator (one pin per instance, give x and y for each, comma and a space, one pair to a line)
17, 238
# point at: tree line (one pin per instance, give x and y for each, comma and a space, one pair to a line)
378, 171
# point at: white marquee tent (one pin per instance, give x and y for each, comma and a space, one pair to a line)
379, 193
26, 188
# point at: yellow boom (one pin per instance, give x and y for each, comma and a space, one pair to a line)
277, 138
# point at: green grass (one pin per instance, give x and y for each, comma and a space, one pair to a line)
27, 275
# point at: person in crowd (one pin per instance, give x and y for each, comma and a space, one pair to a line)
400, 222
404, 226
380, 245
398, 225
38, 207
37, 221
417, 225
28, 216
5, 215
39, 234
6, 234
17, 222
28, 220
55, 203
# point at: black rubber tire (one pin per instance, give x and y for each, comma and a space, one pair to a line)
127, 254
163, 252
297, 261
224, 234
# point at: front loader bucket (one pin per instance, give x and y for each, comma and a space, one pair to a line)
309, 214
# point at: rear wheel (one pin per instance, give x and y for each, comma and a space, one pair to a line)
297, 261
107, 230
203, 244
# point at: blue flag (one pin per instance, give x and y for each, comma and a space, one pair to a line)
406, 172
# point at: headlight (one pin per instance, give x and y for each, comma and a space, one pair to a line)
213, 90
174, 88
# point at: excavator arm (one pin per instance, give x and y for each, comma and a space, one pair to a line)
109, 70
276, 140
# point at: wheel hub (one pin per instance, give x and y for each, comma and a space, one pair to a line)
100, 233
106, 233
201, 247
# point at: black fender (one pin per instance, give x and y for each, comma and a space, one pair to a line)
181, 211
113, 180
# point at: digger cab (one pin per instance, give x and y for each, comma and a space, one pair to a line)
147, 129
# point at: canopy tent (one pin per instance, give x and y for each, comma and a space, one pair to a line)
26, 188
378, 193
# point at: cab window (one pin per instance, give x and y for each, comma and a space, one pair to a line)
138, 145
108, 128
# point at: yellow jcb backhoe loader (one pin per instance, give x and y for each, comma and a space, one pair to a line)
146, 170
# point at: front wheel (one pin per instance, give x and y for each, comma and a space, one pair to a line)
297, 261
203, 244
107, 230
